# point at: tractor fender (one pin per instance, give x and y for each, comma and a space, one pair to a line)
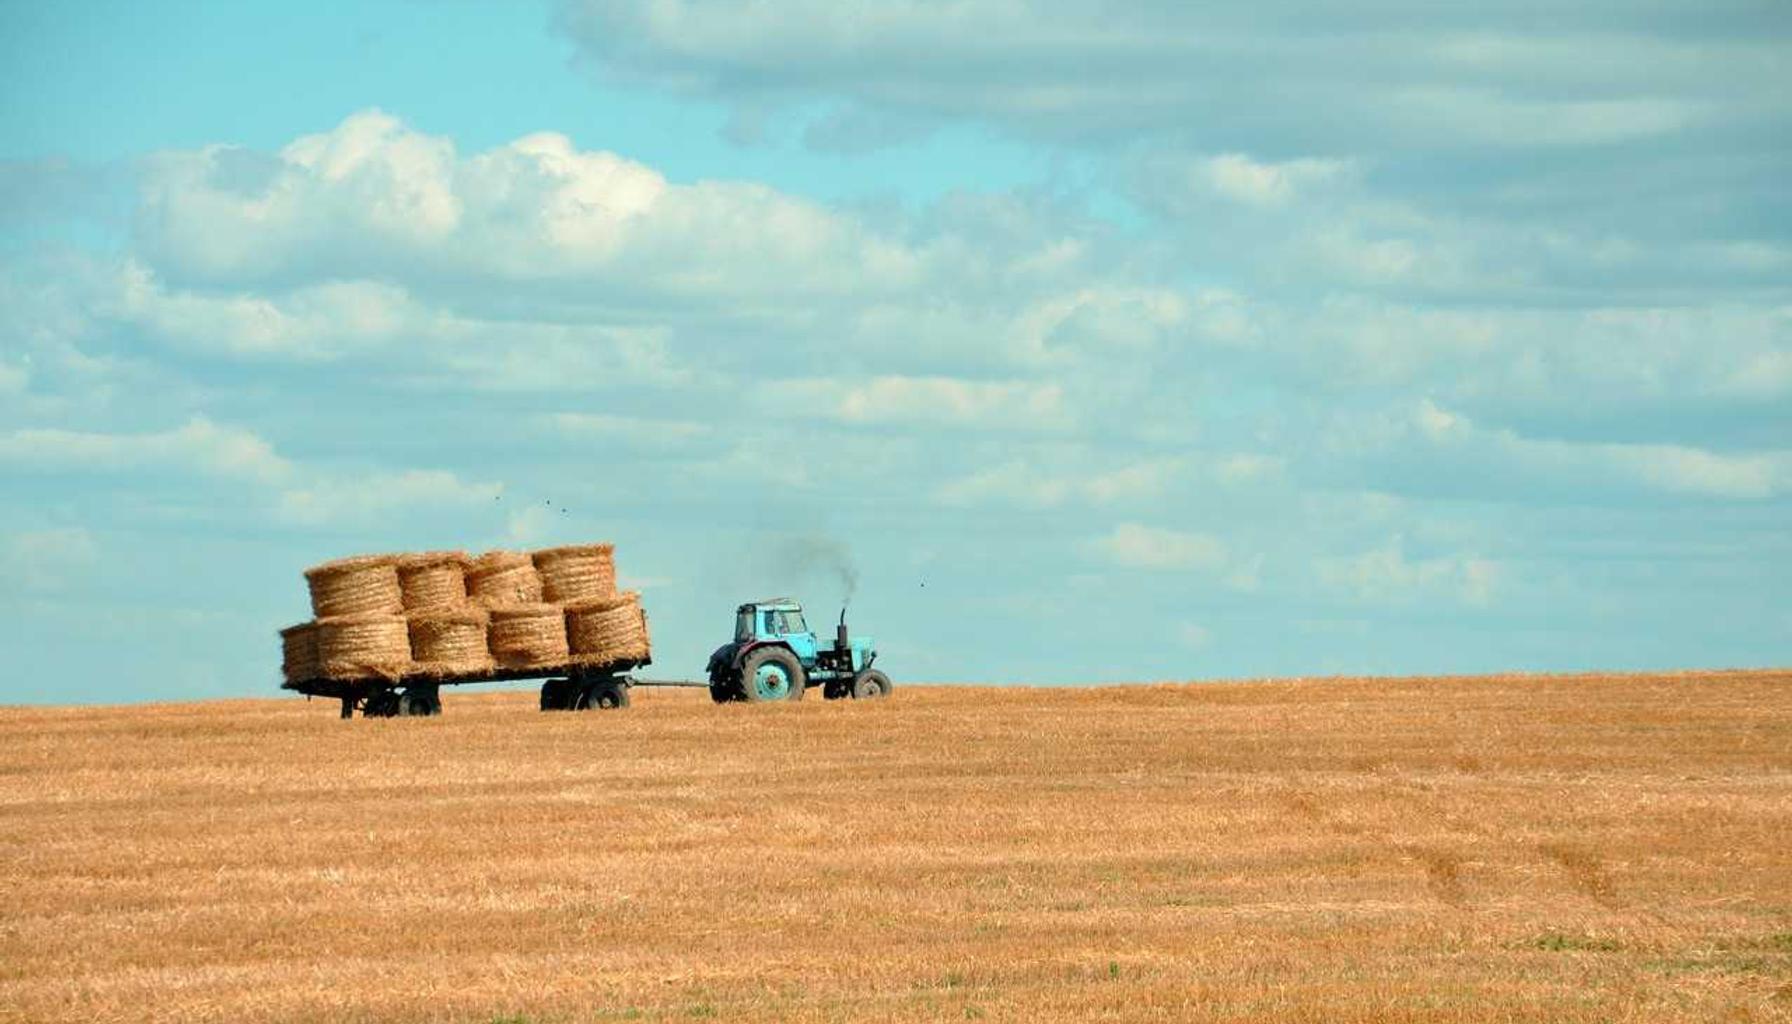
742, 650
723, 660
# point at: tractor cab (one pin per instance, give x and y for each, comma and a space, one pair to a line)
776, 656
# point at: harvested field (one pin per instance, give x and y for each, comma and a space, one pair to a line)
1601, 848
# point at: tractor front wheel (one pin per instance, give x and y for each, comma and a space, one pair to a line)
771, 673
871, 684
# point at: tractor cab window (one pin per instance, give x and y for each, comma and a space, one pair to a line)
771, 624
743, 626
792, 622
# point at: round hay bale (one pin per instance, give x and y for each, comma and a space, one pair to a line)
503, 579
528, 636
580, 572
450, 642
433, 579
608, 630
298, 653
363, 646
362, 585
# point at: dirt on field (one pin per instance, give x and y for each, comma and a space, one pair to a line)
1563, 849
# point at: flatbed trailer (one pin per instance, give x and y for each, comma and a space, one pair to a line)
565, 687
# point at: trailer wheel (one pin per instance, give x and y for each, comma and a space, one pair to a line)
380, 704
557, 695
604, 695
871, 684
771, 673
419, 702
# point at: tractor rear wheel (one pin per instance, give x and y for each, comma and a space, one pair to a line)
771, 673
871, 684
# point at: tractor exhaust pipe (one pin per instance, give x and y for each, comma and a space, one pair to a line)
842, 640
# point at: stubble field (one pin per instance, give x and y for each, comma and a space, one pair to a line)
1592, 848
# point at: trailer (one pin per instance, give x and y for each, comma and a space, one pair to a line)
565, 687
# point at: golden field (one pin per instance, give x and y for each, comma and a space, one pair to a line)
1578, 849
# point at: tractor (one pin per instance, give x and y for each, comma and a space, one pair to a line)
774, 656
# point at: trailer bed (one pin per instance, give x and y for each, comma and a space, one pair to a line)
358, 692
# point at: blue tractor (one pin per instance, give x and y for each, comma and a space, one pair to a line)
775, 656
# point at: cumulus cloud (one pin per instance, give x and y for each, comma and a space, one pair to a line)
1386, 574
1045, 483
1137, 546
935, 401
1430, 447
47, 560
373, 198
199, 445
1237, 177
295, 493
1243, 75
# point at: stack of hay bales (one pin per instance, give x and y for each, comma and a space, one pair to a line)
433, 580
503, 579
450, 642
606, 630
360, 631
527, 636
582, 572
444, 615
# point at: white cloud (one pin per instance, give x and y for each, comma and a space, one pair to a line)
1397, 74
1110, 322
13, 379
631, 431
374, 199
297, 494
1426, 447
931, 401
1136, 546
48, 560
1237, 177
1386, 574
311, 322
368, 496
1193, 635
1680, 469
199, 446
1027, 483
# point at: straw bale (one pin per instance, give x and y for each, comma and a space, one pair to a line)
580, 572
528, 636
450, 642
362, 585
608, 630
503, 579
363, 646
433, 579
298, 653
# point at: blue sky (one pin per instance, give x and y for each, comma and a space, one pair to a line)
1182, 342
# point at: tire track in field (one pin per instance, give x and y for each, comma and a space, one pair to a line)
1442, 868
1584, 870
